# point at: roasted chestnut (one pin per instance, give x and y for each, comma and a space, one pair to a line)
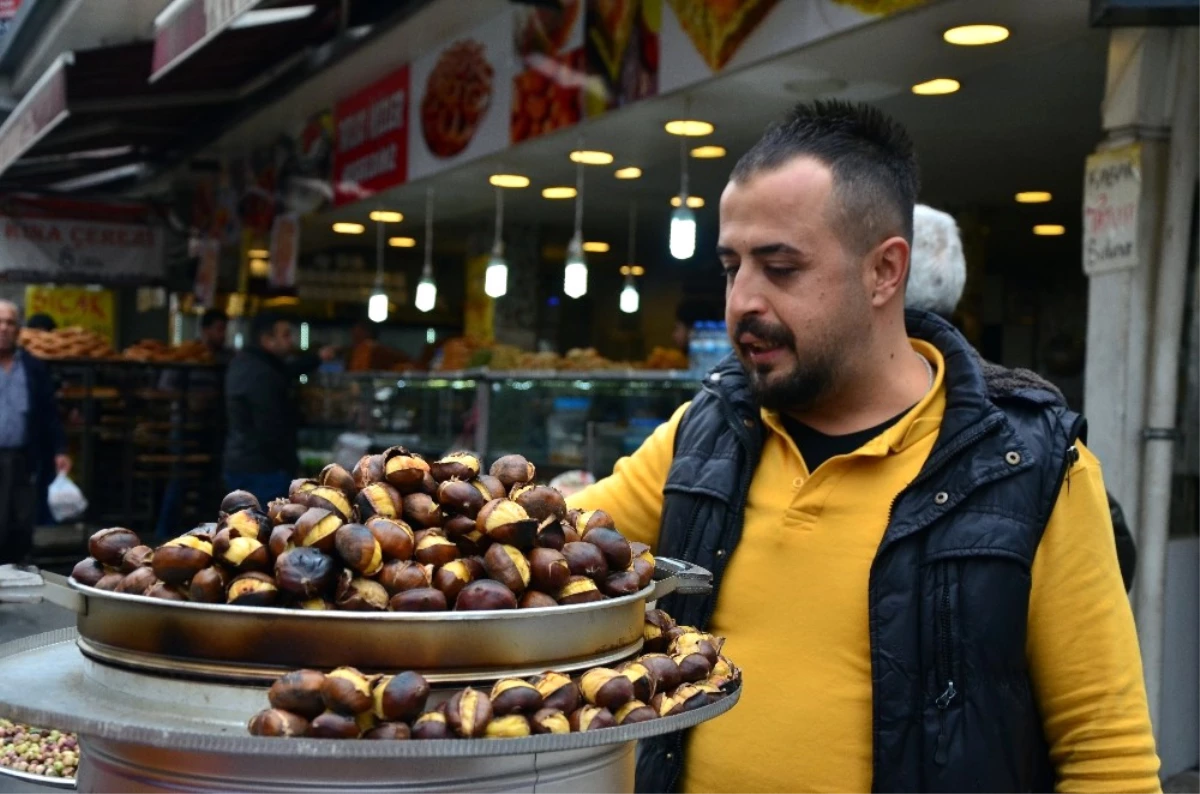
664, 705
645, 682
304, 572
548, 570
298, 692
644, 571
404, 470
493, 486
550, 721
515, 696
512, 726
400, 575
621, 583
208, 586
315, 604
586, 559
532, 599
88, 571
469, 713
436, 550
513, 470
241, 553
473, 544
277, 722
253, 589
359, 594
558, 691
570, 534
642, 551
136, 558
508, 566
357, 547
368, 470
400, 697
722, 673
704, 644
166, 592
421, 510
463, 498
331, 725
137, 582
333, 499
693, 667
634, 711
476, 567
178, 560
592, 718
281, 511
316, 528
614, 546
505, 521
299, 490
110, 581
422, 599
607, 688
485, 594
336, 476
109, 545
654, 630
347, 691
457, 526
664, 668
587, 520
541, 502
456, 465
236, 501
550, 535
205, 531
396, 539
389, 730
451, 578
378, 499
694, 696
249, 523
579, 590
281, 539
432, 725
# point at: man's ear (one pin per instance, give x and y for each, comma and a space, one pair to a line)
888, 270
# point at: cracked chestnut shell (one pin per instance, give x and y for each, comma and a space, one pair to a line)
281, 511
505, 521
347, 690
88, 571
587, 520
508, 566
396, 538
204, 531
136, 558
248, 523
558, 692
421, 510
178, 560
110, 581
511, 726
665, 669
358, 549
282, 539
702, 643
469, 713
513, 470
299, 692
634, 711
451, 578
239, 552
643, 563
299, 490
400, 697
613, 545
456, 465
586, 559
404, 470
532, 599
550, 535
166, 592
389, 730
722, 673
493, 486
368, 470
514, 696
236, 501
693, 667
436, 550
331, 725
475, 566
432, 725
569, 533
379, 499
137, 582
421, 599
644, 680
591, 718
541, 502
485, 594
462, 498
317, 528
579, 590
315, 604
548, 570
457, 527
208, 586
277, 722
654, 630
336, 476
109, 545
253, 589
550, 721
359, 594
473, 544
400, 575
304, 572
604, 687
333, 499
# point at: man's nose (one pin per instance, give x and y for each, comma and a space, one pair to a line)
745, 295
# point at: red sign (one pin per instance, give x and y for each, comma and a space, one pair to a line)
371, 139
9, 8
40, 111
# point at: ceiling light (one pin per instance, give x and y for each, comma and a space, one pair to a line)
386, 216
708, 152
695, 202
690, 128
596, 248
632, 172
377, 306
349, 228
426, 297
975, 35
402, 242
630, 300
575, 277
591, 158
558, 192
1033, 197
937, 87
509, 180
272, 16
258, 253
683, 233
495, 278
633, 270
260, 268
1049, 230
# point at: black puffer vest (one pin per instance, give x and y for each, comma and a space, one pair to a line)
949, 586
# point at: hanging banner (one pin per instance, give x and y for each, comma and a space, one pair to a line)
90, 309
285, 248
1111, 191
64, 250
371, 139
204, 289
190, 25
42, 109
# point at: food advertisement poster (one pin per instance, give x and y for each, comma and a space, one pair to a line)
462, 92
285, 249
90, 309
621, 52
204, 289
371, 139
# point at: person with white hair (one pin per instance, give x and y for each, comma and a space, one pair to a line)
938, 269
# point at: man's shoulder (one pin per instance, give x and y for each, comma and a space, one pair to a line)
33, 366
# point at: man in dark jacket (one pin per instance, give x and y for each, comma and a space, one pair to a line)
915, 600
32, 444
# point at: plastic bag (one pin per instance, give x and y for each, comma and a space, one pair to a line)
65, 499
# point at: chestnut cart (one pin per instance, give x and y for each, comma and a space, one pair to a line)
160, 692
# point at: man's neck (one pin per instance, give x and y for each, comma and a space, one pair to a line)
7, 357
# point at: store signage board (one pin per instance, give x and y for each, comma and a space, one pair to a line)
371, 139
188, 27
208, 270
63, 250
42, 109
87, 308
285, 248
1111, 193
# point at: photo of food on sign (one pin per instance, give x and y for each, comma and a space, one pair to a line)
717, 28
546, 89
458, 94
622, 52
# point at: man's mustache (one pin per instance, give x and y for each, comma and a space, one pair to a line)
771, 334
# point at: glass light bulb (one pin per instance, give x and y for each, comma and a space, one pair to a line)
575, 277
683, 233
377, 307
426, 294
629, 298
495, 280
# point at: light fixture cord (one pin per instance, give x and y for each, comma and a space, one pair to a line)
428, 269
579, 199
499, 216
380, 238
632, 234
683, 171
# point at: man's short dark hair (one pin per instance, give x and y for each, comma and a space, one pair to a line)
875, 174
212, 317
264, 324
41, 322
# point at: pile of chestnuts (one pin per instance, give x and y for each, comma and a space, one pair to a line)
685, 673
397, 533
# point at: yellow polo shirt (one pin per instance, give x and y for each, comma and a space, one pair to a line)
793, 607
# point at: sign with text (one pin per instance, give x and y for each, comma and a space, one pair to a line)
91, 309
371, 139
65, 250
1111, 191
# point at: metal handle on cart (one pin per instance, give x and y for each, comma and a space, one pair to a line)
54, 588
679, 576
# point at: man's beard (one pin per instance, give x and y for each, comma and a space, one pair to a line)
797, 389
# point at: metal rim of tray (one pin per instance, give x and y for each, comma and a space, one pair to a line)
41, 780
244, 744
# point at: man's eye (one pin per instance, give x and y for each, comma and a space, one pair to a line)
780, 270
729, 272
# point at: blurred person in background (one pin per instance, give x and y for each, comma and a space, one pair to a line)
214, 324
366, 354
32, 443
40, 322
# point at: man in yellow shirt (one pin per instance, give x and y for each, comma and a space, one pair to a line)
915, 571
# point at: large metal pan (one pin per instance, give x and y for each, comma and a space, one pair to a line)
256, 644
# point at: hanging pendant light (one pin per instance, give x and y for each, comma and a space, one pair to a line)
575, 277
426, 297
683, 220
630, 300
377, 305
495, 279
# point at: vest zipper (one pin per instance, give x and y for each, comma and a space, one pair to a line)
944, 663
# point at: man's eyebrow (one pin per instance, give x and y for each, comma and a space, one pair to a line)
773, 248
724, 251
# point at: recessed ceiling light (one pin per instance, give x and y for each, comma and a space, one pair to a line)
1049, 229
558, 192
349, 228
937, 87
258, 253
708, 152
402, 242
259, 268
1033, 197
386, 216
591, 157
691, 128
596, 247
695, 202
632, 172
975, 35
633, 270
509, 180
